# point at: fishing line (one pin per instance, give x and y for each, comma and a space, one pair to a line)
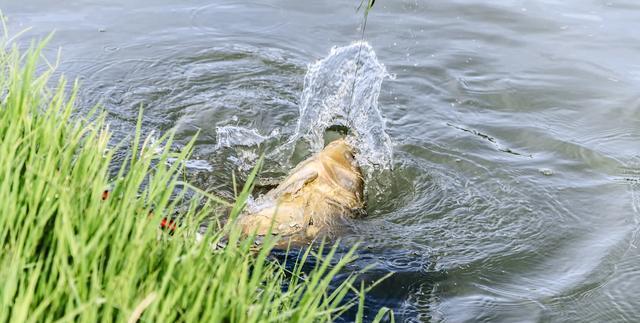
364, 26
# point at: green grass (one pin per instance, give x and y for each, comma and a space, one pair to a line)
68, 255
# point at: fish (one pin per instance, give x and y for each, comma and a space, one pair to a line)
312, 200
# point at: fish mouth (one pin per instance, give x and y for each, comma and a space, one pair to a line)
335, 132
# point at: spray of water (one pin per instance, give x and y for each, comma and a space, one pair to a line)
341, 89
230, 136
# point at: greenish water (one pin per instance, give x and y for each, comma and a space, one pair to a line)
515, 128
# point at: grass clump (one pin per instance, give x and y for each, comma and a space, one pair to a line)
70, 253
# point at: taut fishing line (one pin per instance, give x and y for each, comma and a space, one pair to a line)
364, 26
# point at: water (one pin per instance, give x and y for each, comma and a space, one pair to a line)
514, 125
342, 89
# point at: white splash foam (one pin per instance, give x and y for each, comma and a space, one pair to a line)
230, 136
343, 89
340, 89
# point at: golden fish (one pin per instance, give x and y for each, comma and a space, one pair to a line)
312, 198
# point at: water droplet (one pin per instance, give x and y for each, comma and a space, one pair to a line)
545, 171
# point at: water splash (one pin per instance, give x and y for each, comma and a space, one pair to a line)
230, 136
343, 89
242, 140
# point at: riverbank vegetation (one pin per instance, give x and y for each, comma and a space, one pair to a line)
80, 229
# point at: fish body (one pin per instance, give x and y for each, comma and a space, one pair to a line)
312, 198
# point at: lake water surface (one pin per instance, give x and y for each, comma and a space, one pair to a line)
515, 129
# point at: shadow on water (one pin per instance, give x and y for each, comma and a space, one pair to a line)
389, 292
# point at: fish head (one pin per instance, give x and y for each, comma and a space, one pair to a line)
340, 151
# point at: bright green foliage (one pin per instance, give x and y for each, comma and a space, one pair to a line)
68, 255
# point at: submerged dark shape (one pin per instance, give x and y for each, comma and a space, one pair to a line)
312, 199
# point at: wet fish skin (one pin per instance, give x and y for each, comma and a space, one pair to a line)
312, 199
